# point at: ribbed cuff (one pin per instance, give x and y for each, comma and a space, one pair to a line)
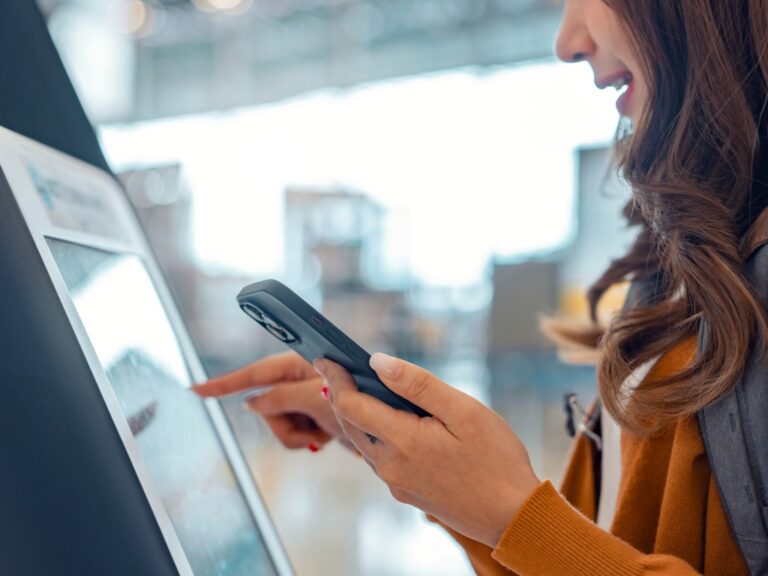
548, 536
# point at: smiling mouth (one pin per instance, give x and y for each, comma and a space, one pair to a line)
622, 83
617, 81
625, 89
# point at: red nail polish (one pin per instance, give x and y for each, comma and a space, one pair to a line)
313, 447
325, 392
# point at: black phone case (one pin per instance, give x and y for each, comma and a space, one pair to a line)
291, 320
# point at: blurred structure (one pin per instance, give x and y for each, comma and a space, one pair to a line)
196, 55
163, 204
521, 292
332, 236
602, 233
527, 379
334, 245
483, 339
334, 251
333, 232
336, 230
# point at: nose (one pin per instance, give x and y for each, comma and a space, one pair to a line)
574, 42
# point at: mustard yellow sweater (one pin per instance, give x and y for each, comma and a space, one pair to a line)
669, 518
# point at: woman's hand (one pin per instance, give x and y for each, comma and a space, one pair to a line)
465, 465
295, 409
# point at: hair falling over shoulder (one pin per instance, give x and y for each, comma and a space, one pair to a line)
697, 163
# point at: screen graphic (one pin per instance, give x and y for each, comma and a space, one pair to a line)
138, 349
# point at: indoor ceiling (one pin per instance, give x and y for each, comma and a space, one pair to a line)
194, 55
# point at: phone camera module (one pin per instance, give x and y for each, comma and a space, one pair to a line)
270, 324
279, 332
254, 312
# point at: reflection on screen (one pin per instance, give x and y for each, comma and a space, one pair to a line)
133, 339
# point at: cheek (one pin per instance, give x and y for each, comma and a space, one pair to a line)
610, 34
605, 25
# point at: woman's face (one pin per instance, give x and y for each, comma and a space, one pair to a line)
592, 31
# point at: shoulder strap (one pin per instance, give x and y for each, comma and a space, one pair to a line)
735, 430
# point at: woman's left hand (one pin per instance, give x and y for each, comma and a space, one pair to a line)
465, 465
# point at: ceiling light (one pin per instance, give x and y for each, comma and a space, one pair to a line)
228, 6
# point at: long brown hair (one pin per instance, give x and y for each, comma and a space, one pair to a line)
697, 163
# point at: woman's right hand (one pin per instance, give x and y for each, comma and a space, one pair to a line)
295, 408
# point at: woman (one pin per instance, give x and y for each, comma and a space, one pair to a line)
695, 73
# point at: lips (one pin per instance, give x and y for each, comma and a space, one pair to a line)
624, 101
615, 79
619, 80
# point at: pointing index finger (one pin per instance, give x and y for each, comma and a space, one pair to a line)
269, 371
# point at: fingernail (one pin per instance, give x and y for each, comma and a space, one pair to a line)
385, 365
320, 366
325, 392
250, 402
313, 447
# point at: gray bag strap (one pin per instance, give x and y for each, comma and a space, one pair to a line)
735, 434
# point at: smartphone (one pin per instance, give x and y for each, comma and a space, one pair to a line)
286, 316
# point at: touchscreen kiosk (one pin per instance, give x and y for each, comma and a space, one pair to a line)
197, 485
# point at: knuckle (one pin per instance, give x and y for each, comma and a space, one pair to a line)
405, 444
419, 384
389, 474
280, 394
399, 494
384, 473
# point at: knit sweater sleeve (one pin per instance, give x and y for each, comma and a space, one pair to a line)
478, 554
549, 536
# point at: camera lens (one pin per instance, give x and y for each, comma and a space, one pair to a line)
278, 331
254, 312
269, 323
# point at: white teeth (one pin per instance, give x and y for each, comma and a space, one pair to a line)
622, 82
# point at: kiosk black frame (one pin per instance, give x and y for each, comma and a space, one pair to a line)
71, 500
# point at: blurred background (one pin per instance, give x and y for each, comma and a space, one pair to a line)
424, 171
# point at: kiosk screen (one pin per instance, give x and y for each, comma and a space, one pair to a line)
129, 329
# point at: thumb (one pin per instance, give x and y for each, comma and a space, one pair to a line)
420, 387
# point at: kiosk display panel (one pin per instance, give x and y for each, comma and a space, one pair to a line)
197, 484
